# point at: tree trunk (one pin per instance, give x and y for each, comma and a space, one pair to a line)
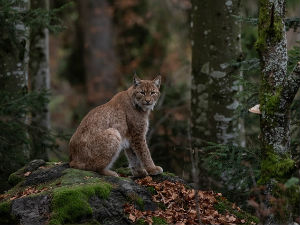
277, 91
14, 64
215, 44
99, 53
13, 85
39, 80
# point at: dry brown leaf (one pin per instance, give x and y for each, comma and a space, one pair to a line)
132, 217
27, 174
181, 206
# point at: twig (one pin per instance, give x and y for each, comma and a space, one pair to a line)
195, 173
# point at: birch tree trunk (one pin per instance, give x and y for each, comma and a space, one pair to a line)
39, 80
99, 52
277, 91
215, 43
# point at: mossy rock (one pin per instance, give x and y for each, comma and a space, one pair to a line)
71, 196
15, 178
77, 197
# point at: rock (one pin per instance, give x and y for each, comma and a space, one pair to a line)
32, 210
43, 176
34, 165
53, 193
59, 182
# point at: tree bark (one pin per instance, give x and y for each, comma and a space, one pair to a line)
215, 44
13, 84
14, 64
277, 91
99, 52
39, 80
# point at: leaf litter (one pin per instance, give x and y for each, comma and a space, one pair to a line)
180, 205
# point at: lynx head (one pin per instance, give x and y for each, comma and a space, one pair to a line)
146, 92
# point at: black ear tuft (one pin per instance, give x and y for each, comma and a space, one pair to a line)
136, 80
157, 81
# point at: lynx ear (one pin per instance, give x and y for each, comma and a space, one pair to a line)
157, 81
136, 80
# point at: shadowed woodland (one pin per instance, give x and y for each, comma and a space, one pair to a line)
227, 120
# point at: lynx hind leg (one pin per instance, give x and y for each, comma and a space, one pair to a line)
135, 165
107, 147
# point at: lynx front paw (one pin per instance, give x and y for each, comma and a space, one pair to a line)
139, 173
155, 171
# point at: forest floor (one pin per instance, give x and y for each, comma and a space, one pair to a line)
53, 193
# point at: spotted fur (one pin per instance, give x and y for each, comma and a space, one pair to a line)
122, 123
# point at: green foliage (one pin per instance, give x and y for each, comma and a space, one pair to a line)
223, 206
234, 167
14, 139
274, 166
76, 197
158, 220
16, 104
291, 182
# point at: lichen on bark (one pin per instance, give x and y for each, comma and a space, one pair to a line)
277, 91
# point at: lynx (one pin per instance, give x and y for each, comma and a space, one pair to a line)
121, 123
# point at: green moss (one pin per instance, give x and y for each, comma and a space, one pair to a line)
168, 174
223, 206
5, 213
275, 167
151, 190
124, 171
268, 32
158, 220
75, 176
162, 206
272, 102
15, 178
140, 222
70, 204
136, 199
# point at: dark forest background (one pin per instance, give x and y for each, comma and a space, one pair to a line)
94, 49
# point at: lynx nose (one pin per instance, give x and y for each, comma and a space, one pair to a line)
147, 100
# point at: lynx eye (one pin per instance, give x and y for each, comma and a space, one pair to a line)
142, 92
153, 93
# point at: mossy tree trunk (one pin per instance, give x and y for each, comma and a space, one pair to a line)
215, 44
100, 60
277, 91
39, 80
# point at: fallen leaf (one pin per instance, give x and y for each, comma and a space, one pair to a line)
27, 174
